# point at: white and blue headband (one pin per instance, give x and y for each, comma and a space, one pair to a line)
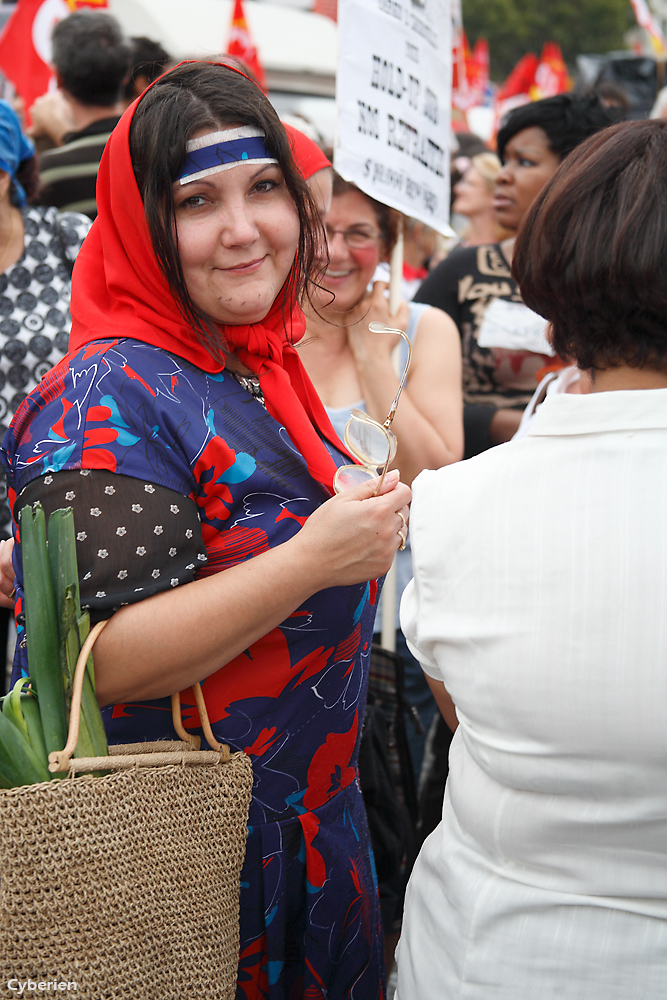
223, 150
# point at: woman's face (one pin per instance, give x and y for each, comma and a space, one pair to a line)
473, 194
528, 163
350, 268
237, 237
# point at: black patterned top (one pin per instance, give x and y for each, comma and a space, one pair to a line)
34, 312
466, 285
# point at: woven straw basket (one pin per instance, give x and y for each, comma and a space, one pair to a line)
126, 885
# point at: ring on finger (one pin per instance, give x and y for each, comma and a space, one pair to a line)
402, 537
402, 517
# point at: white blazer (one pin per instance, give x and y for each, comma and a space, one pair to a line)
540, 599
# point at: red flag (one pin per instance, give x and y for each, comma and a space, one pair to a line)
25, 45
521, 79
477, 69
551, 76
25, 49
329, 8
241, 45
517, 87
461, 94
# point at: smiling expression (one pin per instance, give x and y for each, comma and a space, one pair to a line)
349, 270
237, 237
528, 163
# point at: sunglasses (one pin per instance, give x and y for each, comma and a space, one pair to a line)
372, 443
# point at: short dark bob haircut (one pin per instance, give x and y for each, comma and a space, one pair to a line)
591, 256
387, 218
187, 99
565, 119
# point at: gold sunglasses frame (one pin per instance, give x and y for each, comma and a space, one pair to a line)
362, 416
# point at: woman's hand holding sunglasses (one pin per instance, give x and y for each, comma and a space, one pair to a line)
373, 444
354, 536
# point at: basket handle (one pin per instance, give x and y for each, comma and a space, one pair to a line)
59, 760
203, 716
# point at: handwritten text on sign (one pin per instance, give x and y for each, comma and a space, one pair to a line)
393, 96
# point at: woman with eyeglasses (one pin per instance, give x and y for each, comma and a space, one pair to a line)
353, 368
185, 434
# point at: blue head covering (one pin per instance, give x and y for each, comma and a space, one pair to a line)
14, 147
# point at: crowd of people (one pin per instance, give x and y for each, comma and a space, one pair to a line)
183, 372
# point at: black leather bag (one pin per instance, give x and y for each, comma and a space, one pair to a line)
387, 782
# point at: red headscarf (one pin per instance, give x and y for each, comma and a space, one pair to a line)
120, 291
308, 156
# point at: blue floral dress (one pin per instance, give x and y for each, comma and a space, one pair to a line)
294, 701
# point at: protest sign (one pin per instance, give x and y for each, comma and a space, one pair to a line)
393, 96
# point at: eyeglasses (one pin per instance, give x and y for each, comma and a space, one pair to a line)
372, 443
358, 239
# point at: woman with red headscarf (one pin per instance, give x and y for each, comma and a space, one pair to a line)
199, 462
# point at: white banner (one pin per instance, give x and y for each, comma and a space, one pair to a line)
393, 97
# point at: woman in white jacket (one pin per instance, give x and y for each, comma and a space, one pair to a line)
537, 610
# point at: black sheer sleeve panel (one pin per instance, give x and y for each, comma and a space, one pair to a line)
134, 539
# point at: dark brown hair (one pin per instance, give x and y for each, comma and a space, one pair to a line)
387, 219
189, 98
591, 256
91, 57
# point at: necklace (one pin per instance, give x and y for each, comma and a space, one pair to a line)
9, 238
251, 384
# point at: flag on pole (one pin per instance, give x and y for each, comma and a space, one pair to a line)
241, 46
518, 84
477, 69
329, 8
461, 93
551, 76
460, 88
517, 87
645, 20
25, 47
470, 72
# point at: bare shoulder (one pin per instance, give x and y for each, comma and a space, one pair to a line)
436, 322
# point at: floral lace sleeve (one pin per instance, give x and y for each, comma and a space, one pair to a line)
134, 539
